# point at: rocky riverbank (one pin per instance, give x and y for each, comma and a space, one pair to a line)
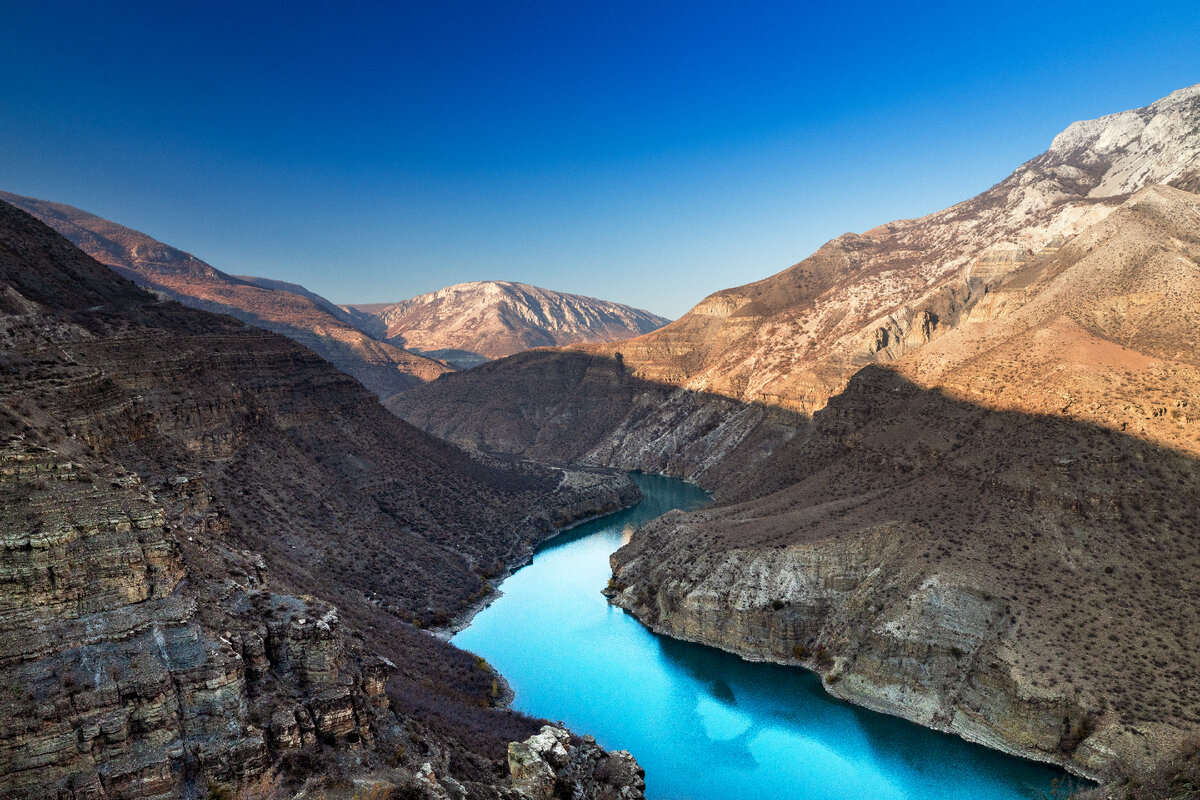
591, 493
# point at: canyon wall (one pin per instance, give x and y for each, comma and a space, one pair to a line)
217, 552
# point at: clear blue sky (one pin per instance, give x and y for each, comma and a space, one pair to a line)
643, 152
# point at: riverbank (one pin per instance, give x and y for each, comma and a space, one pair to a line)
761, 730
612, 493
836, 682
927, 650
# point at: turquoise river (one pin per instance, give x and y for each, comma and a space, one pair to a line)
705, 724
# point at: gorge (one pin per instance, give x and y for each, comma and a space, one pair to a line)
217, 553
941, 537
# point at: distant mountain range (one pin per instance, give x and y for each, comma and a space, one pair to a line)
388, 347
469, 323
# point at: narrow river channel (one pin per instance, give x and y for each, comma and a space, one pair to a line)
705, 724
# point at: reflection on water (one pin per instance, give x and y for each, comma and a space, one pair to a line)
706, 724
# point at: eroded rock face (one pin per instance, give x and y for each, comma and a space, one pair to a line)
548, 765
212, 544
122, 678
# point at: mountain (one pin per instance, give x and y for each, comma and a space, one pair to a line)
295, 288
216, 551
956, 457
276, 306
781, 347
469, 323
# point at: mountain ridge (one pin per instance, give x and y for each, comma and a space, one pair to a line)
469, 323
216, 551
273, 305
792, 340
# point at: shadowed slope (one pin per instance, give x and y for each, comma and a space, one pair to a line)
962, 275
568, 406
273, 305
995, 534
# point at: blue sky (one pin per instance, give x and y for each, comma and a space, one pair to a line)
644, 152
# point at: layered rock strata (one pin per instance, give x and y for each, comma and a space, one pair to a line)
157, 464
994, 535
931, 565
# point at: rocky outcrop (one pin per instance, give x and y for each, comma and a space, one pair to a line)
123, 680
549, 764
470, 323
277, 306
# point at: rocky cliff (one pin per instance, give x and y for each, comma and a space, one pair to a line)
276, 306
469, 323
549, 764
215, 550
569, 406
932, 564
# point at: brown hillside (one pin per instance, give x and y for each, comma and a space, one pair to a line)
893, 293
1027, 581
993, 535
272, 305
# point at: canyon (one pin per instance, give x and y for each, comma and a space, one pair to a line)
955, 462
760, 730
218, 553
955, 457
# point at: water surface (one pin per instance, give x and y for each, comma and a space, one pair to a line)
705, 724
